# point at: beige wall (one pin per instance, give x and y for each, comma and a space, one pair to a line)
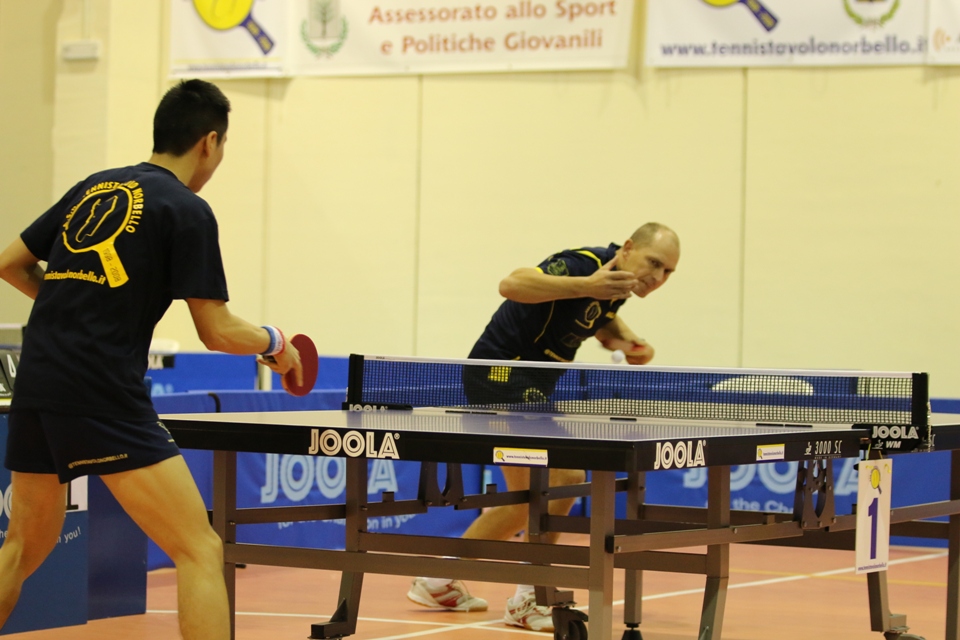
816, 207
27, 60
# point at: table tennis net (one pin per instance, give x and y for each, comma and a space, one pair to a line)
754, 395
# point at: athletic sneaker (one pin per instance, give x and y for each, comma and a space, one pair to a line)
528, 615
452, 597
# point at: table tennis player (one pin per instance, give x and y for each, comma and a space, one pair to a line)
548, 313
119, 247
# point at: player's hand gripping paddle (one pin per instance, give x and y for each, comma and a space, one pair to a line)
767, 19
227, 14
309, 362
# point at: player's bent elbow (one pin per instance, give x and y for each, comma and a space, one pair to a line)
9, 271
507, 289
213, 340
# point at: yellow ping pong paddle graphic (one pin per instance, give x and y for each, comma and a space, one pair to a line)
875, 479
227, 14
94, 225
767, 19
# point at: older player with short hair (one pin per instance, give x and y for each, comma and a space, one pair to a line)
548, 313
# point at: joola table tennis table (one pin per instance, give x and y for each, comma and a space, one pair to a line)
605, 445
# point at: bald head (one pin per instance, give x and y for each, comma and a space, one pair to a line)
653, 232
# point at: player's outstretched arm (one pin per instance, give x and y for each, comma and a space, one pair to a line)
617, 335
221, 330
21, 268
532, 286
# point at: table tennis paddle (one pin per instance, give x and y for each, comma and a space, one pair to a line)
767, 19
310, 364
308, 360
227, 14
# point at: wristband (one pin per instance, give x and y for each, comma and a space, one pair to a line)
277, 341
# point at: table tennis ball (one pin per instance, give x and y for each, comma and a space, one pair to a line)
618, 356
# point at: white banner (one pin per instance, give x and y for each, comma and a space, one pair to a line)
873, 515
229, 38
220, 38
752, 33
944, 32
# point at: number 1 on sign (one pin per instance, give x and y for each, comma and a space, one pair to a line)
873, 512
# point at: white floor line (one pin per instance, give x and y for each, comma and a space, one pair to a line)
805, 576
458, 627
323, 618
443, 627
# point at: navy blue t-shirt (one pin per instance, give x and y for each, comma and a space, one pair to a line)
119, 246
550, 331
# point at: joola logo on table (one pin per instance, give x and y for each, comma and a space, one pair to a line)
898, 433
680, 455
368, 407
353, 444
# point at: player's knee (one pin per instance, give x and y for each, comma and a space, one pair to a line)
506, 521
11, 556
205, 548
25, 554
515, 517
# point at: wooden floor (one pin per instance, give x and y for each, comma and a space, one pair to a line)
782, 594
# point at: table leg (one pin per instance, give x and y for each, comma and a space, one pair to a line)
718, 555
600, 580
633, 588
224, 520
344, 620
538, 505
953, 554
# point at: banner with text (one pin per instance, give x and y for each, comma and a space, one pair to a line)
944, 32
753, 33
262, 38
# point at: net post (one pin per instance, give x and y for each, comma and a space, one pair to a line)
920, 404
355, 379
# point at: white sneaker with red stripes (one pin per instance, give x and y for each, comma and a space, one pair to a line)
452, 597
526, 614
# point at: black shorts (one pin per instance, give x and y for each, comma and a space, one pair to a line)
75, 446
485, 385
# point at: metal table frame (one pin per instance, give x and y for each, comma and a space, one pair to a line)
640, 542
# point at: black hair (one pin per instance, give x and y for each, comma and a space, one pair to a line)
188, 112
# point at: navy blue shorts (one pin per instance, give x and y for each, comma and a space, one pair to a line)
75, 446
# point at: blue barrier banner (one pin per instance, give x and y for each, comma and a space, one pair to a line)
191, 402
272, 480
316, 400
331, 373
201, 372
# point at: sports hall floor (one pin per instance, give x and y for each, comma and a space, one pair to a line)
782, 594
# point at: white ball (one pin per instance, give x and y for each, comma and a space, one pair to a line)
618, 356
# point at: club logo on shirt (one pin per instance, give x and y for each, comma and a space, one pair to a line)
558, 268
590, 315
94, 224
